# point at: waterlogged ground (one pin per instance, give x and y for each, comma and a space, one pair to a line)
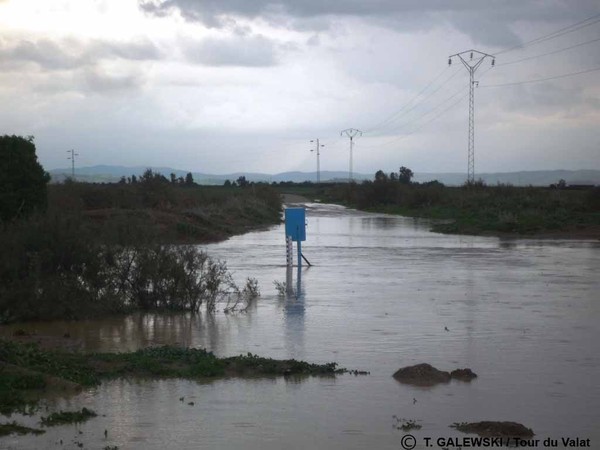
522, 314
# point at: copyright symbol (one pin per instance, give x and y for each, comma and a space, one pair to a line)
408, 442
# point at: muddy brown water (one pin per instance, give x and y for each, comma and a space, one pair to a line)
523, 314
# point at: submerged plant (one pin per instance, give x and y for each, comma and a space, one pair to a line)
241, 300
281, 287
64, 417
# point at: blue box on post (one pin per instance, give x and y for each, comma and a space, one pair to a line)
295, 223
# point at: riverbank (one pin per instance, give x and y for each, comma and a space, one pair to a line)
110, 249
502, 211
166, 212
517, 226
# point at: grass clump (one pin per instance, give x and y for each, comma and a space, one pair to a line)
66, 417
250, 364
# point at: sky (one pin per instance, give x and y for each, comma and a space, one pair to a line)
221, 86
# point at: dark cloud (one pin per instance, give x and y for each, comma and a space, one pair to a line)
487, 22
248, 51
68, 54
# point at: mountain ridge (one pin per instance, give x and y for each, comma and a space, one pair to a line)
111, 174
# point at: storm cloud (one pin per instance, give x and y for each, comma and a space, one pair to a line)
487, 22
239, 85
70, 53
248, 51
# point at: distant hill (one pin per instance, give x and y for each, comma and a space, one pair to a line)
112, 174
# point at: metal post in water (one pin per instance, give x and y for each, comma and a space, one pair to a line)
289, 251
289, 280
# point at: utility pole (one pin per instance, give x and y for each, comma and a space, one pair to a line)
351, 133
471, 65
318, 162
72, 158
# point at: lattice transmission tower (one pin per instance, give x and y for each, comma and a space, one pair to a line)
471, 64
351, 133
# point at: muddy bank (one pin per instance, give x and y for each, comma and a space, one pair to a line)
495, 429
427, 375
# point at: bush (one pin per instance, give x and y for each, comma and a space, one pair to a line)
54, 267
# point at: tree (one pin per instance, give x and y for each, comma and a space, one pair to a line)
22, 178
242, 182
227, 183
405, 175
380, 176
189, 179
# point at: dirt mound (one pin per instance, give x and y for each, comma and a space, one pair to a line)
427, 375
495, 429
421, 375
463, 374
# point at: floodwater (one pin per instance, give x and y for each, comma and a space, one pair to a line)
383, 293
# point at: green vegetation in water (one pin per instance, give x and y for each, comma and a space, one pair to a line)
14, 386
14, 428
66, 417
88, 369
180, 362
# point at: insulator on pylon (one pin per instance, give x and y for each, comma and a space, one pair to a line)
449, 61
493, 62
471, 55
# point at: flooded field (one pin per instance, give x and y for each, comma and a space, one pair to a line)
383, 293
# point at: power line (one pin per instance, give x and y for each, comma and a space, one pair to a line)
422, 125
430, 110
389, 118
549, 53
555, 34
404, 112
542, 79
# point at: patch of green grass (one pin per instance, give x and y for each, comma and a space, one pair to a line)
66, 417
68, 366
164, 361
255, 365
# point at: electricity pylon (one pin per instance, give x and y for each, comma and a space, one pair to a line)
351, 133
471, 65
318, 162
72, 158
